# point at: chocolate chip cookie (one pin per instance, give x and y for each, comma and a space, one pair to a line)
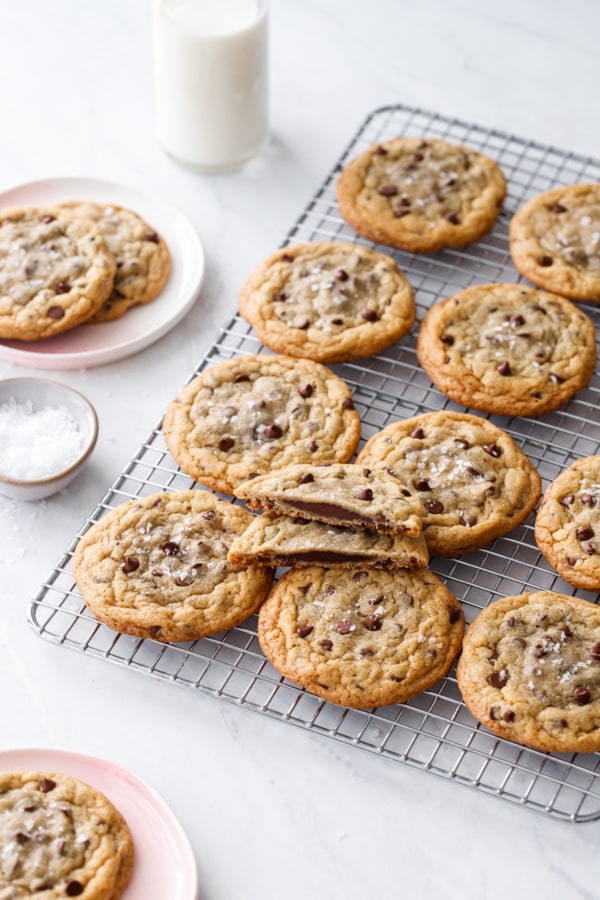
142, 256
507, 349
361, 637
567, 525
60, 837
55, 272
250, 414
530, 671
421, 194
555, 241
286, 541
330, 302
339, 495
156, 567
475, 482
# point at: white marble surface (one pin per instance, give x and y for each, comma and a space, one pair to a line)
271, 811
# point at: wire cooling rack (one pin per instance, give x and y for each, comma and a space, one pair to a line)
434, 731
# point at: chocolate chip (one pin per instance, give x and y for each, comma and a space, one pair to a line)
63, 287
369, 315
47, 219
73, 889
373, 623
46, 785
418, 434
520, 642
130, 564
571, 560
345, 627
366, 473
595, 651
582, 696
170, 548
304, 630
447, 339
460, 442
473, 472
281, 297
358, 576
503, 368
306, 390
286, 257
565, 630
493, 450
337, 321
307, 479
347, 404
587, 500
497, 679
241, 377
556, 379
312, 446
341, 275
366, 494
421, 484
388, 190
273, 431
516, 320
434, 506
375, 601
568, 500
380, 151
585, 533
468, 520
508, 715
454, 614
557, 208
55, 312
326, 645
184, 580
452, 218
226, 442
21, 838
209, 514
546, 261
157, 573
152, 236
400, 213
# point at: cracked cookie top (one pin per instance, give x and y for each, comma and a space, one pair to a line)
421, 194
475, 482
328, 301
530, 671
555, 241
507, 349
250, 414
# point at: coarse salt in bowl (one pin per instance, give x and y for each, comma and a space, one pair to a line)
47, 432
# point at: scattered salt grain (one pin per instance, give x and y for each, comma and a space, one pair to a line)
37, 443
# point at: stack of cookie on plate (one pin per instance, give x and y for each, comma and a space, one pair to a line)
75, 262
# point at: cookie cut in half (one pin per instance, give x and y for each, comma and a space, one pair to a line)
330, 302
361, 637
60, 837
474, 481
286, 541
555, 241
156, 567
250, 414
530, 671
567, 525
421, 194
339, 495
507, 349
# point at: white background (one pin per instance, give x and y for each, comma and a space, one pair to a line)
270, 811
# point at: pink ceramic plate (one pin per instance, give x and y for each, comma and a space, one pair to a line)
164, 862
106, 342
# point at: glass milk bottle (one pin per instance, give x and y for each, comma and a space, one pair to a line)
211, 80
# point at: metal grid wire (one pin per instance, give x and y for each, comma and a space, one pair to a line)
434, 731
